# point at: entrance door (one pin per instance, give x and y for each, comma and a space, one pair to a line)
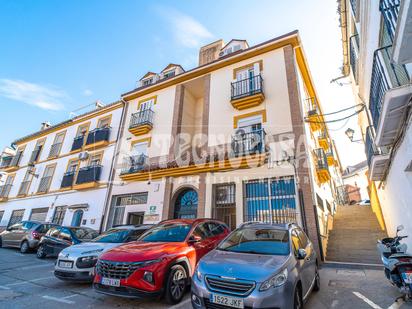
77, 218
135, 218
186, 205
224, 204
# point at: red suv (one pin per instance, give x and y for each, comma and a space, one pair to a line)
160, 262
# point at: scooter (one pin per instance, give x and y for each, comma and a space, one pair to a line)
397, 263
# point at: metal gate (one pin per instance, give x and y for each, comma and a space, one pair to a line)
186, 205
270, 200
224, 204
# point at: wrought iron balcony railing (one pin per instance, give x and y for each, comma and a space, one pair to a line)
247, 87
16, 159
6, 161
321, 159
24, 187
89, 174
354, 4
390, 12
354, 56
5, 191
134, 164
143, 117
98, 135
35, 154
385, 76
44, 184
55, 150
78, 142
68, 179
244, 143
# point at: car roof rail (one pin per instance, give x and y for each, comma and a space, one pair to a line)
250, 223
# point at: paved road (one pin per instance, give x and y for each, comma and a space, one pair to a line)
26, 282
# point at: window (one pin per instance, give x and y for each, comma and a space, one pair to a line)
169, 74
54, 232
139, 149
39, 214
77, 217
202, 231
104, 122
46, 180
27, 225
95, 159
147, 81
57, 144
25, 184
59, 214
1, 216
132, 199
35, 155
147, 104
319, 201
65, 235
16, 217
82, 130
250, 124
119, 204
72, 167
270, 200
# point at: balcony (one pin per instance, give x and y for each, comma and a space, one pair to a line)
355, 4
397, 16
24, 188
35, 155
247, 93
354, 56
88, 177
377, 157
67, 181
314, 116
11, 163
330, 158
141, 122
246, 143
389, 95
78, 143
44, 185
4, 192
98, 138
323, 140
134, 164
321, 163
55, 150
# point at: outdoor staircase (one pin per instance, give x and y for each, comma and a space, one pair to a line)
354, 236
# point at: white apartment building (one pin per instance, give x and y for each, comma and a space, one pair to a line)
61, 173
377, 44
239, 138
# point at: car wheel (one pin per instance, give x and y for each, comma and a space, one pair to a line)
176, 284
316, 286
41, 254
298, 301
24, 247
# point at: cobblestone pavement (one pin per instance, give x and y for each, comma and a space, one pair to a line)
26, 282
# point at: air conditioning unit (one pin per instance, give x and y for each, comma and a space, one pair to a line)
83, 156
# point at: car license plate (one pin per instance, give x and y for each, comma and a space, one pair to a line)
227, 301
111, 282
64, 264
407, 277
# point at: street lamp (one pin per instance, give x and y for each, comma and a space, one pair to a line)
349, 133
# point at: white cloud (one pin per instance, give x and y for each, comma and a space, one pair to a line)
87, 92
187, 31
48, 98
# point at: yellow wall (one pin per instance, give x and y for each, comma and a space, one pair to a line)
375, 204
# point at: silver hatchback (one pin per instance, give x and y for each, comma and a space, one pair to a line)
257, 266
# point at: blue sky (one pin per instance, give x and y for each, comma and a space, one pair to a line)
56, 56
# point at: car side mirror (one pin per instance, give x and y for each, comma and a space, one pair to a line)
301, 254
194, 239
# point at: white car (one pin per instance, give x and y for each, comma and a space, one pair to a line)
365, 203
77, 262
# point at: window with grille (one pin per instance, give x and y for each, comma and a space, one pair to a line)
119, 204
270, 200
16, 217
59, 214
224, 203
132, 199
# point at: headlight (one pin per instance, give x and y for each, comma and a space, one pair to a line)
148, 263
86, 261
92, 252
276, 281
198, 274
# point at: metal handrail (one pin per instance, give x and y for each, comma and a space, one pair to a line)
247, 87
141, 118
390, 12
134, 164
248, 142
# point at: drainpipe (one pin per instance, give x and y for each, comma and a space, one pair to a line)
112, 167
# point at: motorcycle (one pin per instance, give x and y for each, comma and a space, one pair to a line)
397, 263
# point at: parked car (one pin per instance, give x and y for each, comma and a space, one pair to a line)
257, 266
160, 262
77, 262
25, 235
365, 203
58, 238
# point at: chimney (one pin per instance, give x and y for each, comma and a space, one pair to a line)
45, 125
210, 52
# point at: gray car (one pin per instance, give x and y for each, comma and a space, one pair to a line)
24, 235
258, 265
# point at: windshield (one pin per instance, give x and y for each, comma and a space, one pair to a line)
257, 241
173, 232
113, 236
84, 234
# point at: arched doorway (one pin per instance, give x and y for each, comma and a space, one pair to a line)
186, 204
77, 217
